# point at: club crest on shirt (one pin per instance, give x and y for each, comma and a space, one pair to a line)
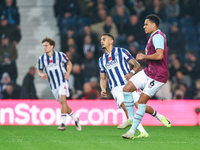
116, 54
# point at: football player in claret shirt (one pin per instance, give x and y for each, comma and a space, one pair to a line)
153, 76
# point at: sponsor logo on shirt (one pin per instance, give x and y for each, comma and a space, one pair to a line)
52, 66
111, 64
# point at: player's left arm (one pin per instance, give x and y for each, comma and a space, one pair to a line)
69, 69
132, 61
158, 42
136, 66
158, 55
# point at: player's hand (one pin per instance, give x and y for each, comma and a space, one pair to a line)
44, 76
103, 93
66, 76
128, 76
140, 56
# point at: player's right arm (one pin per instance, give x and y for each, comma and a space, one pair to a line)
103, 84
40, 69
135, 69
42, 75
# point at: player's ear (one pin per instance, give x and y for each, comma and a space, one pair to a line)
112, 42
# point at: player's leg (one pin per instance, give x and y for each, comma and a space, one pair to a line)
71, 114
65, 108
129, 88
138, 116
128, 122
154, 113
125, 110
62, 100
62, 127
150, 89
128, 107
143, 133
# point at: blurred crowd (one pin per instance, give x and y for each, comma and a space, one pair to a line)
81, 24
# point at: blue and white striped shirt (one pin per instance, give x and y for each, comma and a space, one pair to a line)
54, 67
115, 65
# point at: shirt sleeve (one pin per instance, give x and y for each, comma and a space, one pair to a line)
101, 69
158, 41
65, 59
126, 54
40, 64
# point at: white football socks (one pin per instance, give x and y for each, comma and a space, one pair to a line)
63, 116
73, 116
141, 128
157, 115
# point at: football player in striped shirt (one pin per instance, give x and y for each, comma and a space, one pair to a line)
114, 65
53, 63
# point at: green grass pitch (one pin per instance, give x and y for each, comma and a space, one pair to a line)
97, 138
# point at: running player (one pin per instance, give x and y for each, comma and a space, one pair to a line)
114, 65
53, 63
153, 76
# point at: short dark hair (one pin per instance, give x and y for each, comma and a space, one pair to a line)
110, 35
70, 28
32, 68
49, 40
192, 52
154, 18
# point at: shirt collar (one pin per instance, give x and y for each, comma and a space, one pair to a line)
113, 50
52, 55
155, 32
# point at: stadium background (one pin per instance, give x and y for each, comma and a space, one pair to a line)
39, 19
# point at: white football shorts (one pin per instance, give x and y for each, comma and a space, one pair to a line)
149, 85
61, 90
117, 93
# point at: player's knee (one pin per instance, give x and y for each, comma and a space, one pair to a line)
62, 101
126, 89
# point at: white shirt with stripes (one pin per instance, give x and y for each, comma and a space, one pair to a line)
54, 67
115, 65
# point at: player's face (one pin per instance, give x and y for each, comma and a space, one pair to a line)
106, 41
47, 47
148, 26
